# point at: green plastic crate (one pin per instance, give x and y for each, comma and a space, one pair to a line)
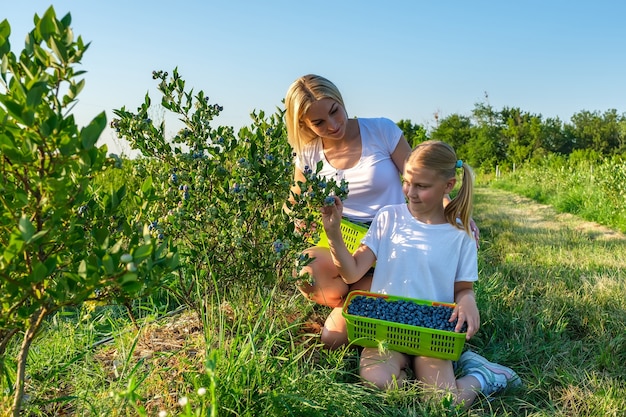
413, 340
352, 234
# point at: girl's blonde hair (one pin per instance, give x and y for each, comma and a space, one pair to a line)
301, 94
441, 158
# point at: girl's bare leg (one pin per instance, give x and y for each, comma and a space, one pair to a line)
437, 377
383, 369
335, 332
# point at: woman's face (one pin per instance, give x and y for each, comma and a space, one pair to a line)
327, 119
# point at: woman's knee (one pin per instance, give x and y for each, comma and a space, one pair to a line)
320, 280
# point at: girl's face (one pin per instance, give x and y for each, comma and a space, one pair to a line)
424, 189
327, 119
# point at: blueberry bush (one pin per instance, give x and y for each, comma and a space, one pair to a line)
64, 240
219, 196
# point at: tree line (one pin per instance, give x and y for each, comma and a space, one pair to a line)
488, 137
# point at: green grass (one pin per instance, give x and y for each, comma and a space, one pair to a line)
551, 295
593, 190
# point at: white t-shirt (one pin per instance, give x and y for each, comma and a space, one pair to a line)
419, 260
374, 181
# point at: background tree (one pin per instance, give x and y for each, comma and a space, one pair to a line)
603, 133
521, 134
554, 138
455, 130
414, 133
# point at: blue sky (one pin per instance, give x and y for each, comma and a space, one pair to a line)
402, 60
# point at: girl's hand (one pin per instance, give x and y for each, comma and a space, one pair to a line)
466, 311
331, 217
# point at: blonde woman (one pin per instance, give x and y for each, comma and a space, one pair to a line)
368, 153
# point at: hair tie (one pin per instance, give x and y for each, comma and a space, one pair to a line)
459, 164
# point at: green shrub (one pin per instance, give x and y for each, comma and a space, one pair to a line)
63, 240
218, 196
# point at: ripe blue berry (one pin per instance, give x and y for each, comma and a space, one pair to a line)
404, 312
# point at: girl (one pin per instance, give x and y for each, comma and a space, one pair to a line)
423, 250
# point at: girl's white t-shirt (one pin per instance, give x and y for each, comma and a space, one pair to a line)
419, 260
374, 181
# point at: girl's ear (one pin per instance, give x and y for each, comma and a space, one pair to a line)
450, 185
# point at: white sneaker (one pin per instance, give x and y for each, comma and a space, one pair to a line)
497, 377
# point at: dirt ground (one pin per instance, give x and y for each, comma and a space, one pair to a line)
543, 216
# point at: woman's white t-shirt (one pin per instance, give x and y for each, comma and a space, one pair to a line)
374, 181
419, 260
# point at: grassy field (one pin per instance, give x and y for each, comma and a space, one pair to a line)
551, 295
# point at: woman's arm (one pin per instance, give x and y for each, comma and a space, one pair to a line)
400, 154
298, 176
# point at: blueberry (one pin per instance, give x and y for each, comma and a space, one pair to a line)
278, 246
402, 311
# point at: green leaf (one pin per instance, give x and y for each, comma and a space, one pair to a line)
39, 273
14, 109
35, 94
8, 148
83, 269
4, 67
142, 252
146, 187
109, 266
5, 31
42, 55
16, 243
130, 283
59, 49
26, 228
37, 236
47, 24
91, 133
101, 235
28, 118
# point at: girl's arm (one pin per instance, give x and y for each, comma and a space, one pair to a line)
466, 310
351, 267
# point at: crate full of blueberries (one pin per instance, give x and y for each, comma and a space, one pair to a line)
409, 325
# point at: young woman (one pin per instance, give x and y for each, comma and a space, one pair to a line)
427, 251
368, 153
